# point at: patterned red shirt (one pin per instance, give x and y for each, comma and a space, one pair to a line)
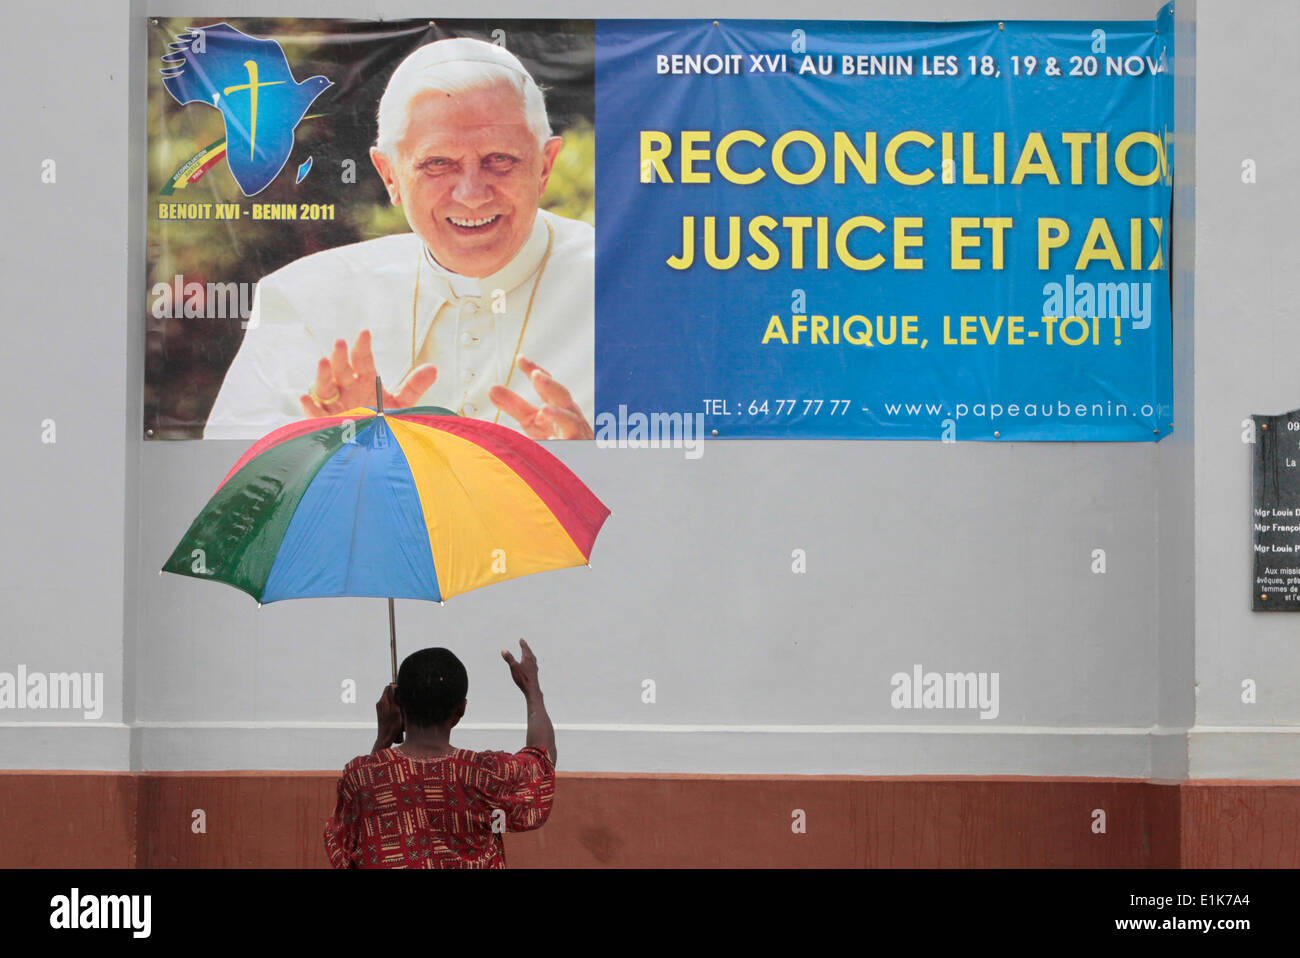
450, 812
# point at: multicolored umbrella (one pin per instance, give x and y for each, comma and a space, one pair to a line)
409, 503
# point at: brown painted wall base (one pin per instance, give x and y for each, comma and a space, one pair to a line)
275, 820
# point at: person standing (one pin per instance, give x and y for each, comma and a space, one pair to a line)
427, 804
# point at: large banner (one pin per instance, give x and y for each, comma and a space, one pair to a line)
630, 230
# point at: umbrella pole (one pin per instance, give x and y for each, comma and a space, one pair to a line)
392, 648
392, 618
392, 638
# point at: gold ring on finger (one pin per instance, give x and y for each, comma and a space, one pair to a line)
320, 400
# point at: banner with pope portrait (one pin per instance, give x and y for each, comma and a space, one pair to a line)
634, 230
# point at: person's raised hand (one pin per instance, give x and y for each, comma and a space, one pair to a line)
389, 716
559, 417
347, 380
524, 672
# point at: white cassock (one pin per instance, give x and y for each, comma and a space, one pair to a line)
540, 305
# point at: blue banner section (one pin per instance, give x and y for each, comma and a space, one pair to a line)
885, 230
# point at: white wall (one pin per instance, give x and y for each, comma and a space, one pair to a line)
1247, 355
63, 271
757, 670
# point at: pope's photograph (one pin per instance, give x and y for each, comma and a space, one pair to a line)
473, 290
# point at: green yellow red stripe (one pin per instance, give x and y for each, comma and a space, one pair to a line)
419, 503
473, 546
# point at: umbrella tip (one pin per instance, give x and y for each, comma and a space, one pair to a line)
259, 605
442, 602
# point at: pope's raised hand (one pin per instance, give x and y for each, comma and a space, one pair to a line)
347, 380
559, 417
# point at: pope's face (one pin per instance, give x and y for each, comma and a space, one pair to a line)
469, 174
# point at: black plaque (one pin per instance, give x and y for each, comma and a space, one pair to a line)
1276, 513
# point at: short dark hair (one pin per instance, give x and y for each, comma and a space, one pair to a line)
430, 684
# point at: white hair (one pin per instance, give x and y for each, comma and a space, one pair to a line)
456, 66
